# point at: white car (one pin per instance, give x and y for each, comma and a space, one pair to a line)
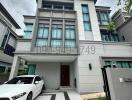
25, 87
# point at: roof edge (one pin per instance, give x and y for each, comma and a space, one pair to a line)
6, 13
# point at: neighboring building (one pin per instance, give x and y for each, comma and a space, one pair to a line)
63, 44
8, 39
103, 14
120, 17
123, 23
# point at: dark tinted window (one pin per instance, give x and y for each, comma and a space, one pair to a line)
37, 78
21, 80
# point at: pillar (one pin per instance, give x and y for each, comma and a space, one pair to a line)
15, 66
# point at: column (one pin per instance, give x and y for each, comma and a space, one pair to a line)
15, 66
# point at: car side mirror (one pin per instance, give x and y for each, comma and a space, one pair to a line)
36, 82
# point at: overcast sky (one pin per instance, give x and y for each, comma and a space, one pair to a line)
18, 8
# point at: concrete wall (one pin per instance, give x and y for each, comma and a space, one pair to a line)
90, 80
23, 46
126, 31
95, 33
118, 18
119, 90
91, 53
51, 73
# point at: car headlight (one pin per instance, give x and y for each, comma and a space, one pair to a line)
18, 96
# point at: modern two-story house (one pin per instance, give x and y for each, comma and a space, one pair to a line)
8, 39
67, 43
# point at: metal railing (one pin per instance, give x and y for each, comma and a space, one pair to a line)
56, 50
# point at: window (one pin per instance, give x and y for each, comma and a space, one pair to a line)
21, 80
28, 31
58, 7
86, 18
41, 42
110, 37
47, 6
103, 18
120, 64
5, 39
2, 69
70, 32
12, 41
70, 44
123, 64
56, 43
56, 37
2, 33
66, 7
70, 37
42, 36
57, 31
108, 63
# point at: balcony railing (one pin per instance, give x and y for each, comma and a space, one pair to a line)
53, 50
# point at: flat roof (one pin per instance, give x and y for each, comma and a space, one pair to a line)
103, 8
94, 1
11, 19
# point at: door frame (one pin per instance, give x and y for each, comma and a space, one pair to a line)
68, 75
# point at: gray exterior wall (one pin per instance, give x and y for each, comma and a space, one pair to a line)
119, 17
126, 30
119, 90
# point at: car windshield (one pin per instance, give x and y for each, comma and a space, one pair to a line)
21, 80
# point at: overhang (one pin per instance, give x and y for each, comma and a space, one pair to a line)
47, 58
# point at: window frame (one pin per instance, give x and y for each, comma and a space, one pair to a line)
86, 21
70, 27
44, 25
57, 27
28, 31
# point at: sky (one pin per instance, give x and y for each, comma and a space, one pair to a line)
18, 8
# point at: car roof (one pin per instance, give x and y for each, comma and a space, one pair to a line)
27, 76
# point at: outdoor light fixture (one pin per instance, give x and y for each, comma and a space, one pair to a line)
90, 66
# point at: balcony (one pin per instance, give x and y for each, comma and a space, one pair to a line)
48, 13
61, 50
24, 46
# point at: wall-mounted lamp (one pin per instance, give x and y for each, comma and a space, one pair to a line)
90, 66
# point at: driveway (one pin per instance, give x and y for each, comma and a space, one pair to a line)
68, 95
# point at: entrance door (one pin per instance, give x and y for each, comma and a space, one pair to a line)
65, 75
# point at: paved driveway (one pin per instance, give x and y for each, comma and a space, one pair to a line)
69, 95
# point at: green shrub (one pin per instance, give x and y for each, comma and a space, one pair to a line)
103, 98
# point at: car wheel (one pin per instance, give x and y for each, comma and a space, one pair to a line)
29, 97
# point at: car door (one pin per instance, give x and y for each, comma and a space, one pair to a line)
38, 85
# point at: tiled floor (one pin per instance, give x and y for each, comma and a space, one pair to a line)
69, 95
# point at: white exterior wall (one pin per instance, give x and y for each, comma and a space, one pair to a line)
93, 35
92, 80
51, 73
23, 46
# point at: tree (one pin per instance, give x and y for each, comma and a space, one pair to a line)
110, 27
128, 5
